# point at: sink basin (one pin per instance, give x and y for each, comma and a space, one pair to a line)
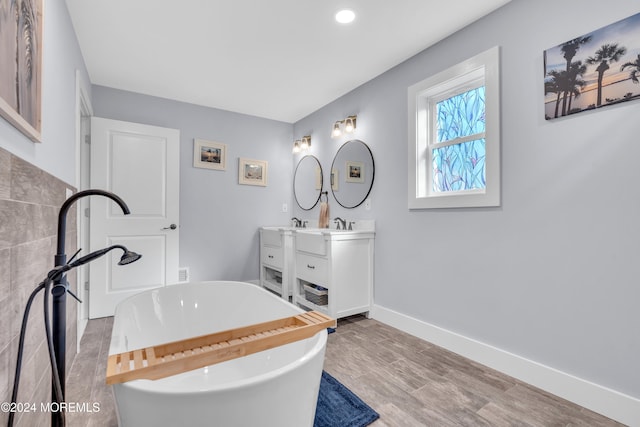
313, 240
271, 236
309, 240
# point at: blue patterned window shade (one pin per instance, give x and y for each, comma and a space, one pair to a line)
461, 115
460, 166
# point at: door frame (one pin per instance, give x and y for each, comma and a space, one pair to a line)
84, 111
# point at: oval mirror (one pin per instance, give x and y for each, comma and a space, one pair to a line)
352, 173
307, 182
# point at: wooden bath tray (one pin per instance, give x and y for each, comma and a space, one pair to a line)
173, 358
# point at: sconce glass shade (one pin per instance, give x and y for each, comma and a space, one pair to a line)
306, 143
336, 132
350, 124
296, 146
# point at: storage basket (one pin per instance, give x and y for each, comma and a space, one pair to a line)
315, 295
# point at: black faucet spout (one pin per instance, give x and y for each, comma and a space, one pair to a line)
339, 221
62, 216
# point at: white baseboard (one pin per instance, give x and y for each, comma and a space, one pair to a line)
610, 403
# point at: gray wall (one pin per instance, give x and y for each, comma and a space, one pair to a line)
34, 178
29, 204
552, 274
219, 219
61, 58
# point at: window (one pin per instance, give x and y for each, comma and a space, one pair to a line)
454, 136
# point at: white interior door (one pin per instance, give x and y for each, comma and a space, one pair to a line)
140, 164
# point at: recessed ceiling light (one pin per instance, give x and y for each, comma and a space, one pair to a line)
345, 16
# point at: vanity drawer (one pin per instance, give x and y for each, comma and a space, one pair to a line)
312, 269
272, 256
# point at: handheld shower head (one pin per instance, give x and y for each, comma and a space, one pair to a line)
128, 257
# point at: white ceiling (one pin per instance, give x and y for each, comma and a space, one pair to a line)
278, 59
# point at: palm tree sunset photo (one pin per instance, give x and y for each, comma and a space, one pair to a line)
594, 70
21, 64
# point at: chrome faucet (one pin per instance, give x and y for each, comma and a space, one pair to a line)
339, 221
296, 222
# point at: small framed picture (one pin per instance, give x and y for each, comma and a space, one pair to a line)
252, 172
355, 172
209, 155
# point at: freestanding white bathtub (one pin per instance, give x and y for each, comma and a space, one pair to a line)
277, 387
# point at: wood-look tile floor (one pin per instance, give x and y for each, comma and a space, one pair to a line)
408, 381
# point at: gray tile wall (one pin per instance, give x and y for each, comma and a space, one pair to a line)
29, 203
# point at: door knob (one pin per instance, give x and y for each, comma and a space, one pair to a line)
171, 227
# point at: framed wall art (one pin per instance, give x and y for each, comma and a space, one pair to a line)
252, 172
355, 172
594, 70
21, 65
209, 155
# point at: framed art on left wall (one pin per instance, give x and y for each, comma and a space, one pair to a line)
21, 65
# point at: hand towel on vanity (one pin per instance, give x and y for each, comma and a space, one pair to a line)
323, 221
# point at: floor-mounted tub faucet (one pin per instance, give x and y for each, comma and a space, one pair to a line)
61, 287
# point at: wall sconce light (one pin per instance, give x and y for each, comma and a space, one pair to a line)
347, 125
306, 143
302, 144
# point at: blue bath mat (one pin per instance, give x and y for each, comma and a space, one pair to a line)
339, 407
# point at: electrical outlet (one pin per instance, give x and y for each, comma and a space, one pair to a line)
285, 207
367, 204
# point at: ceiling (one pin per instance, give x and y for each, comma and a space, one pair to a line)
277, 59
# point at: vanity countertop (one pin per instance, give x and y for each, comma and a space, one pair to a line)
360, 227
331, 231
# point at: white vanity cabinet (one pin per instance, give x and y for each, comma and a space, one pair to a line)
276, 260
333, 271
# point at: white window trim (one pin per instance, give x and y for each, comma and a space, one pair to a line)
420, 195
